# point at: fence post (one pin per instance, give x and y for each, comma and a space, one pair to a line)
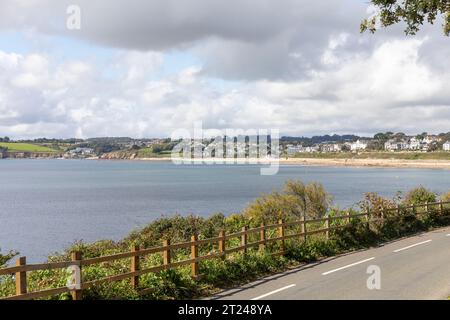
368, 218
76, 257
303, 227
414, 208
262, 237
349, 219
427, 208
167, 259
281, 234
327, 226
21, 277
244, 239
135, 267
441, 207
398, 209
194, 255
222, 244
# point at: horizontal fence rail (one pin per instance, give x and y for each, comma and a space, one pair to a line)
279, 236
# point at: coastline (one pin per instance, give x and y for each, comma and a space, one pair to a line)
349, 162
376, 163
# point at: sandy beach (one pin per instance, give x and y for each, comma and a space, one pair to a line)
382, 163
389, 163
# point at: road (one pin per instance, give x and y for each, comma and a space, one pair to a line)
412, 268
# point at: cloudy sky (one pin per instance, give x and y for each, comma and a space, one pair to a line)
146, 68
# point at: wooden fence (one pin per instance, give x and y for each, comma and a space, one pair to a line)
281, 235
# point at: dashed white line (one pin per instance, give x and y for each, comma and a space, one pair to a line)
347, 266
448, 235
412, 246
273, 292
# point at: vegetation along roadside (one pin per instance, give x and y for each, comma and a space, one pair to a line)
296, 201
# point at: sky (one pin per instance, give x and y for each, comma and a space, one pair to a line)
149, 68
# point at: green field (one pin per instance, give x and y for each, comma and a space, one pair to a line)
148, 153
24, 147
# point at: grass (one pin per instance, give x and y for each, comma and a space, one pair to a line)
148, 153
25, 147
379, 155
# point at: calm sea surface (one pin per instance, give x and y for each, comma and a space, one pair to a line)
45, 205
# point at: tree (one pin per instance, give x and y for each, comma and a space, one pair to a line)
135, 147
5, 258
413, 12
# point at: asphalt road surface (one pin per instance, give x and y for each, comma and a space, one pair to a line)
412, 268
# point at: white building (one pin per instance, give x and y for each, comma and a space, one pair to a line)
415, 144
312, 149
358, 145
82, 151
393, 145
330, 147
291, 149
446, 146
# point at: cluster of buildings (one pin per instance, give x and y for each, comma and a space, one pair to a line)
427, 143
142, 143
79, 153
229, 148
359, 145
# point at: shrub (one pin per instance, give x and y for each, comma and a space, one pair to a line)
220, 273
446, 197
297, 200
419, 195
311, 250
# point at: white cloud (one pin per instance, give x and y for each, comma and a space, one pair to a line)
287, 65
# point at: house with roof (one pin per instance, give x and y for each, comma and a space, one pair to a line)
446, 146
415, 144
359, 145
396, 145
293, 149
330, 147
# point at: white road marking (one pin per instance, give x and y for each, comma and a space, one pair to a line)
273, 292
347, 266
448, 235
412, 246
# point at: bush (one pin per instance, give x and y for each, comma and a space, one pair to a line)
446, 197
297, 200
223, 273
311, 250
419, 195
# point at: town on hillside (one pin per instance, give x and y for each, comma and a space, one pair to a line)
129, 148
380, 142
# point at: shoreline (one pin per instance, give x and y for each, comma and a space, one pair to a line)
313, 162
349, 162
